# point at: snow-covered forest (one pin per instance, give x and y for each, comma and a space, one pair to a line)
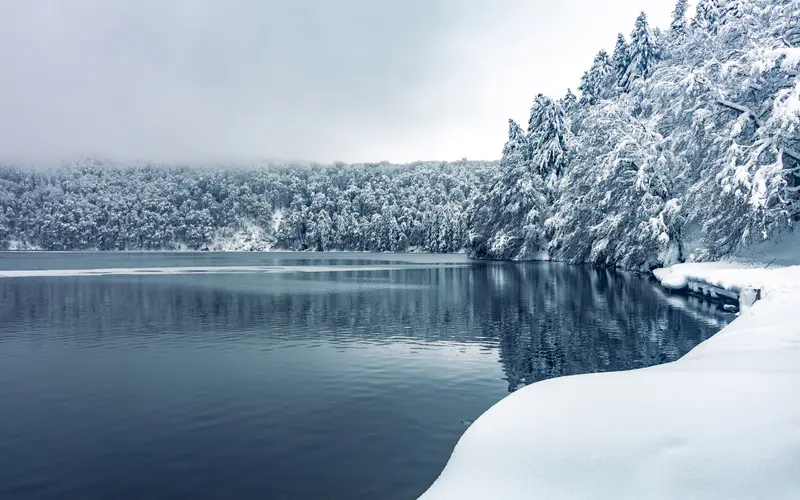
682, 144
378, 207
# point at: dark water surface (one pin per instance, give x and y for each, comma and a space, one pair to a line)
343, 376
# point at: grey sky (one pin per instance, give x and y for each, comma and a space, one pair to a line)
323, 80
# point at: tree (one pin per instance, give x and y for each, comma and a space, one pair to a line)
729, 10
569, 102
547, 131
620, 60
707, 16
642, 53
4, 229
508, 217
679, 23
598, 83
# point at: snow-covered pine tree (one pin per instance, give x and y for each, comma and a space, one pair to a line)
642, 53
707, 16
568, 102
729, 10
679, 22
4, 229
598, 83
547, 131
507, 219
620, 59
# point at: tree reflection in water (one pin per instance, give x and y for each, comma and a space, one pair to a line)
546, 319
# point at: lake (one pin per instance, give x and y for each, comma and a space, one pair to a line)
291, 375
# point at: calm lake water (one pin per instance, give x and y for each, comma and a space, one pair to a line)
296, 376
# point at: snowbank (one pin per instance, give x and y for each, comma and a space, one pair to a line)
721, 422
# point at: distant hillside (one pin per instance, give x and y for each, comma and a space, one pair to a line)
377, 207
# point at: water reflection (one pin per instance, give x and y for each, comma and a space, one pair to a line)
548, 327
546, 320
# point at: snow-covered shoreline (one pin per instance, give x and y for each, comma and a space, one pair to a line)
721, 422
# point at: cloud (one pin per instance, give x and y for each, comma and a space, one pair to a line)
241, 80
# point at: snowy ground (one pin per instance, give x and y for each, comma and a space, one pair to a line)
722, 422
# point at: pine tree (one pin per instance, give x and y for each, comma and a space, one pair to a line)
569, 102
517, 145
678, 24
547, 131
508, 217
4, 230
595, 82
729, 9
643, 53
620, 59
707, 16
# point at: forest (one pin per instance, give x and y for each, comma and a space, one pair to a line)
375, 207
681, 144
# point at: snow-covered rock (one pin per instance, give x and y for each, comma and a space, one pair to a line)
722, 422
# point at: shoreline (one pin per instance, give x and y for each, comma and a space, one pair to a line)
721, 422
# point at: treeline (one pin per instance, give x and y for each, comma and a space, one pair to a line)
378, 207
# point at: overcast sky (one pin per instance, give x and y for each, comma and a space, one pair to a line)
320, 80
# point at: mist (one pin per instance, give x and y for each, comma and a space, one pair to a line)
248, 80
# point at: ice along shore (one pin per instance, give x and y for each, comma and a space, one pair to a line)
721, 422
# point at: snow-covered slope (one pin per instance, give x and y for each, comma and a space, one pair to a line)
722, 422
248, 237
